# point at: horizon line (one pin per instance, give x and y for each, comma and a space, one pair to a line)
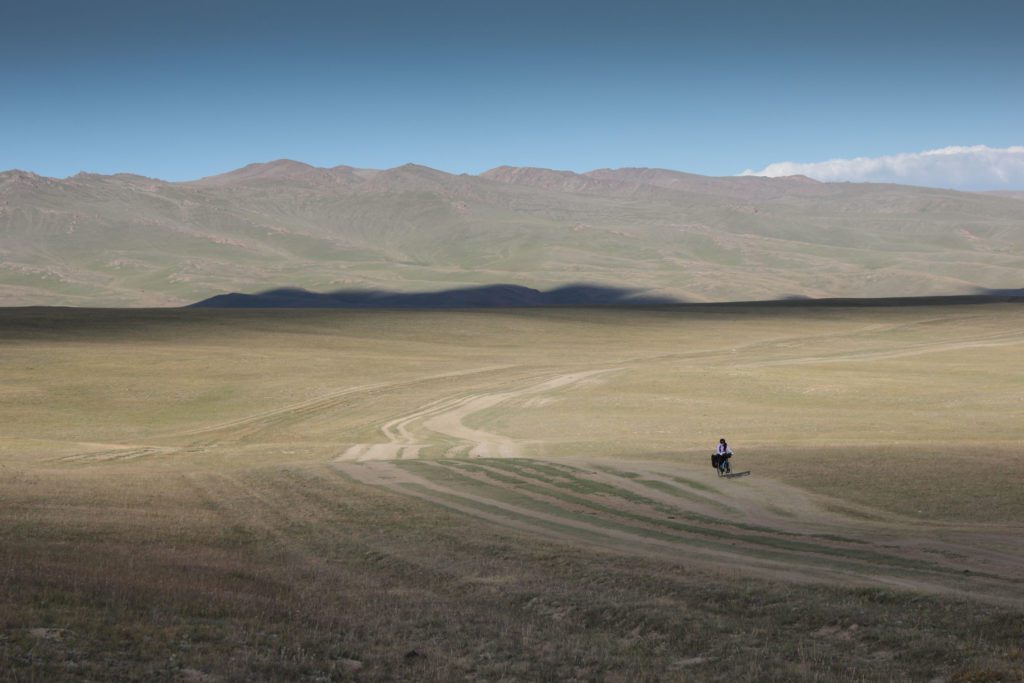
408, 164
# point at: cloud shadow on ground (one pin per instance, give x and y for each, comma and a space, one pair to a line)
487, 296
580, 294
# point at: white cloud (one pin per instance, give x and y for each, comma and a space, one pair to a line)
978, 167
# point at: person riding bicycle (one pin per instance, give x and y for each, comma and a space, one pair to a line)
724, 453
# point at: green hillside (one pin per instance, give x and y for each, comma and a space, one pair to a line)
126, 240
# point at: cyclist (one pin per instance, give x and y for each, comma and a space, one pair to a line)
724, 453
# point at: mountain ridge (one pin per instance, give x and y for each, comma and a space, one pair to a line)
126, 239
285, 169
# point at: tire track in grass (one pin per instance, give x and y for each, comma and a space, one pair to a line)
117, 454
518, 507
567, 478
988, 341
790, 513
232, 431
238, 430
243, 506
661, 496
490, 491
537, 517
652, 513
785, 509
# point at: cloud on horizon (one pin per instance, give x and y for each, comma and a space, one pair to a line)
976, 167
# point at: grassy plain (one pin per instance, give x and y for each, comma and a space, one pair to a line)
512, 494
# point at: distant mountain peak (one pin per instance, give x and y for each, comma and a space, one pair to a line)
277, 167
290, 172
288, 163
279, 171
18, 174
417, 170
21, 181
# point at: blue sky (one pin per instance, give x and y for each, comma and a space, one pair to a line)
184, 89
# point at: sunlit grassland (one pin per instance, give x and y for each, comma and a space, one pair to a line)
169, 507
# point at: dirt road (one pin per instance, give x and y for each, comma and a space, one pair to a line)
445, 420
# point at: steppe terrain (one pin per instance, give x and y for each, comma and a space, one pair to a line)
127, 240
512, 494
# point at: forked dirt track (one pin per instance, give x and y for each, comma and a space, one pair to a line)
410, 434
237, 430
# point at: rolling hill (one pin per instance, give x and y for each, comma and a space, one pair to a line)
128, 240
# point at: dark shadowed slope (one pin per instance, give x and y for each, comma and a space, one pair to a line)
511, 296
491, 296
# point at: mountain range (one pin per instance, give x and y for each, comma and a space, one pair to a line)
128, 240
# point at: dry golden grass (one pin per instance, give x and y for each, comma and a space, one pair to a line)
171, 508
